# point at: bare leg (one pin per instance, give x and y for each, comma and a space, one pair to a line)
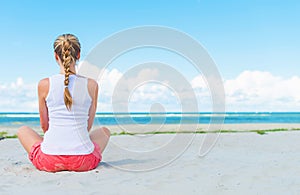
101, 137
28, 137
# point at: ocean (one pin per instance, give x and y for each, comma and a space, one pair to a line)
32, 119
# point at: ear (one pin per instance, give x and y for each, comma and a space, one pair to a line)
56, 56
78, 56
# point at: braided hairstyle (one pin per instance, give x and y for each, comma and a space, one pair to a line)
67, 47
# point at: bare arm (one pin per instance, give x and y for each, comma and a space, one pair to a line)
43, 88
93, 91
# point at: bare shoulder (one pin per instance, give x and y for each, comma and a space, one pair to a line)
92, 82
44, 82
43, 87
92, 87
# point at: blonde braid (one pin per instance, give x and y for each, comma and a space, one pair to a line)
67, 60
67, 47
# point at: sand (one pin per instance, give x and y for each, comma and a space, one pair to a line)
238, 163
173, 127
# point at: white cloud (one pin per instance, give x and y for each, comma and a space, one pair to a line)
249, 91
136, 91
151, 94
108, 80
18, 96
199, 82
262, 91
140, 89
257, 91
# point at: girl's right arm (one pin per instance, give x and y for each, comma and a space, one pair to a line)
93, 92
43, 88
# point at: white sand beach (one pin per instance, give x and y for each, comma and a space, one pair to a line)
239, 163
176, 127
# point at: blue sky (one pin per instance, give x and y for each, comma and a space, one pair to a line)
260, 36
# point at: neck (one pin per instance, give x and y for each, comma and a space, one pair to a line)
72, 69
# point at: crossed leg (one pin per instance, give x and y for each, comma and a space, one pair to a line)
28, 137
101, 137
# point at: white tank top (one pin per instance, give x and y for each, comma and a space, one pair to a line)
67, 133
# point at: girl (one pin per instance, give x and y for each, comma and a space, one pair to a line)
67, 106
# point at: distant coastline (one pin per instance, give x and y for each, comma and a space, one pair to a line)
168, 123
109, 118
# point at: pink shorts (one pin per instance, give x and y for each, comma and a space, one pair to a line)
54, 163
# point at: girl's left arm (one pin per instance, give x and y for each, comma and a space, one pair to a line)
43, 88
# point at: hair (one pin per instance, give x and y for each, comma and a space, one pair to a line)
67, 47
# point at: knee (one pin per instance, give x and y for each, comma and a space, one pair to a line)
22, 130
106, 131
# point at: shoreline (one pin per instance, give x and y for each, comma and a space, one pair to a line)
10, 132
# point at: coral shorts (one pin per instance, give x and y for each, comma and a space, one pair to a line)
54, 163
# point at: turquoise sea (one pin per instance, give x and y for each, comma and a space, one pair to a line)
32, 119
